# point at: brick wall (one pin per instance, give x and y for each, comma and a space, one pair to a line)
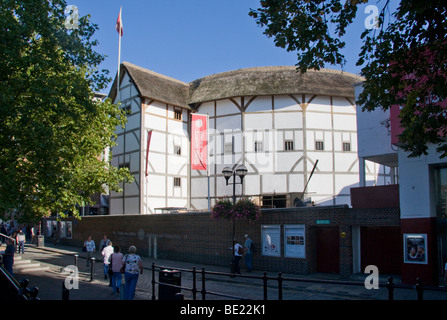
195, 237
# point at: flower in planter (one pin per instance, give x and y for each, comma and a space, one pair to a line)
245, 209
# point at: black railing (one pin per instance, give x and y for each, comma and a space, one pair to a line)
279, 279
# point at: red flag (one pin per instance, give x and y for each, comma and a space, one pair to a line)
119, 24
149, 136
199, 142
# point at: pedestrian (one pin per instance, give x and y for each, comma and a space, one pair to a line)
90, 247
133, 267
106, 252
33, 235
8, 256
249, 250
21, 238
103, 243
116, 262
237, 255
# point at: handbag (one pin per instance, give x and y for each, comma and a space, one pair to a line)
110, 271
124, 266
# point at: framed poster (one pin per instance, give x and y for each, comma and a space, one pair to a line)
295, 241
415, 248
271, 240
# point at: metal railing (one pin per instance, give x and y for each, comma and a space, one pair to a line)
4, 235
279, 279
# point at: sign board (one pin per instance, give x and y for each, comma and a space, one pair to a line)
295, 241
415, 248
323, 221
271, 240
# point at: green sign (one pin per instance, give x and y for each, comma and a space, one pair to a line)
323, 221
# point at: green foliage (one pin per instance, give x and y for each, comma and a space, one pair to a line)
403, 61
52, 132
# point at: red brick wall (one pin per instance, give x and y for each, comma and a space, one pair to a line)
195, 237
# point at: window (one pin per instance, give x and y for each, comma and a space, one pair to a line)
319, 145
177, 182
124, 165
178, 114
346, 146
228, 147
127, 109
288, 145
259, 146
178, 150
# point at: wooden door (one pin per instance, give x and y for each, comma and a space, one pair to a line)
328, 250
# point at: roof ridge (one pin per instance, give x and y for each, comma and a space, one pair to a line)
128, 64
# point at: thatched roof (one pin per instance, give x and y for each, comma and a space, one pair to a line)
155, 86
244, 82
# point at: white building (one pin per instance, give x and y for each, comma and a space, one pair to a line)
275, 121
422, 192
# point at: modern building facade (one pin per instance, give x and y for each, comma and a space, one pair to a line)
420, 193
295, 133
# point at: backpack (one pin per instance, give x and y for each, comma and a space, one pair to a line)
252, 247
240, 250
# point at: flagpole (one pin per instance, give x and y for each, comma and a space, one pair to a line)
119, 58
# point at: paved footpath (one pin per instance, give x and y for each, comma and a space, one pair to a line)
57, 258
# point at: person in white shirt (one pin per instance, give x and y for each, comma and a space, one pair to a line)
106, 252
237, 255
21, 238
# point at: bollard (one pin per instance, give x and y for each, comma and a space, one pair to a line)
92, 270
122, 291
390, 286
419, 289
179, 297
76, 256
153, 281
65, 292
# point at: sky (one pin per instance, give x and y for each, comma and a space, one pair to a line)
190, 39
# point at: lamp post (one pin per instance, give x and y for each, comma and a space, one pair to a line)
241, 171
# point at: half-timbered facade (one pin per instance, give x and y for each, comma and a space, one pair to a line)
295, 133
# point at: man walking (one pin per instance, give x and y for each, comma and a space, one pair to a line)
249, 250
21, 241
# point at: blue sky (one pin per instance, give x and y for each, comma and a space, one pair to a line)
190, 39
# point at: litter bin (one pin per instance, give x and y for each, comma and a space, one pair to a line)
171, 277
41, 241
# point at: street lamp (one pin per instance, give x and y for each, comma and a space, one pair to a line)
241, 171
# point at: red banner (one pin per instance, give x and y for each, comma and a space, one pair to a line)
199, 142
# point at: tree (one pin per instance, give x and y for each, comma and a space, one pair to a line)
403, 60
53, 132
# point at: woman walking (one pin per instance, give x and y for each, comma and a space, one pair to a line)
116, 262
133, 267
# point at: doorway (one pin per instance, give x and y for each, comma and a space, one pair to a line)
328, 250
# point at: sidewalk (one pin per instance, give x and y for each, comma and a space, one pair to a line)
58, 257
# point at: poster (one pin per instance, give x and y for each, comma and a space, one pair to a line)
415, 248
271, 240
295, 241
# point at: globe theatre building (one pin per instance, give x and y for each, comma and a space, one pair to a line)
295, 133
